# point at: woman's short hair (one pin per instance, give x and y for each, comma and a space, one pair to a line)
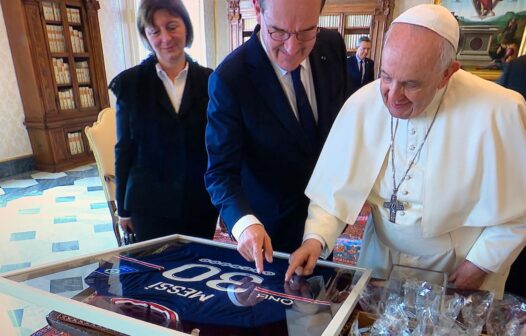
147, 9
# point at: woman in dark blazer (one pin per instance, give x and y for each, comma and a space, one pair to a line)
161, 116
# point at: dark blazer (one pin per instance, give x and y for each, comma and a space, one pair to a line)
514, 75
160, 155
355, 77
514, 78
260, 159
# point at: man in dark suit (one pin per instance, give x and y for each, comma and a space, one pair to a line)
513, 76
272, 103
360, 68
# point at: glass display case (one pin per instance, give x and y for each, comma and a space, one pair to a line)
179, 285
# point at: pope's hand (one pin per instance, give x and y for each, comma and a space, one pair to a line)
253, 242
126, 224
303, 260
467, 276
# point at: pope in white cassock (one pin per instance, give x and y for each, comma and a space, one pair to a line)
440, 154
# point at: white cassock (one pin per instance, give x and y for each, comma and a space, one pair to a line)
464, 198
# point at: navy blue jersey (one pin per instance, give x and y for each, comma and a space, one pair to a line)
209, 286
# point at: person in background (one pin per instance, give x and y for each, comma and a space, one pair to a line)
513, 77
160, 155
360, 68
436, 151
272, 103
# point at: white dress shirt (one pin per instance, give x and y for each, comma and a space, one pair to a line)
175, 88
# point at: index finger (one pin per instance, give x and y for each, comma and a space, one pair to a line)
293, 265
258, 257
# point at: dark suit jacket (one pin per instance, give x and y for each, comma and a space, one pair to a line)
355, 77
160, 155
514, 75
260, 159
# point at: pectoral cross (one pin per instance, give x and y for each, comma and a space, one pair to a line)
393, 206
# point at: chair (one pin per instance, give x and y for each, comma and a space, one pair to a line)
102, 137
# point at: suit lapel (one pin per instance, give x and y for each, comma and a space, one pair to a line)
157, 89
269, 87
160, 91
189, 92
321, 78
354, 63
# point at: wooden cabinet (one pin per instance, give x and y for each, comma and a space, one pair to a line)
57, 54
352, 19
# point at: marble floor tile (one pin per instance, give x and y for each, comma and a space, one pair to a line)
47, 176
18, 183
45, 218
83, 168
27, 235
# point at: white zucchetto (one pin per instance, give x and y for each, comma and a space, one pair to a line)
434, 17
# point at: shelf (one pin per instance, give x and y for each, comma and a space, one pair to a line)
54, 22
81, 55
67, 85
59, 55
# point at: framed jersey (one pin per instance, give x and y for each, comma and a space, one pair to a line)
183, 285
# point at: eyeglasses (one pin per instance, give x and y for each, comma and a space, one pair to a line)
283, 35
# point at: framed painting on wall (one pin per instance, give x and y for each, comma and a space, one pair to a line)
492, 32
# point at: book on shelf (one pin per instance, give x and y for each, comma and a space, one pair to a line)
75, 143
329, 21
86, 96
55, 37
51, 11
61, 70
358, 20
82, 71
77, 41
66, 100
73, 15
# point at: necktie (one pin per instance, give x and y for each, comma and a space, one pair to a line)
362, 71
305, 113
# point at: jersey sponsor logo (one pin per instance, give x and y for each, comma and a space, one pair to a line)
283, 297
122, 269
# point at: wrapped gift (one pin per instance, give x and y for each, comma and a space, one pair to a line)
349, 243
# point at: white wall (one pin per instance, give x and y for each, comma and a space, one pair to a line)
111, 31
14, 141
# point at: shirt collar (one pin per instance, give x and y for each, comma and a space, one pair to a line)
163, 75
